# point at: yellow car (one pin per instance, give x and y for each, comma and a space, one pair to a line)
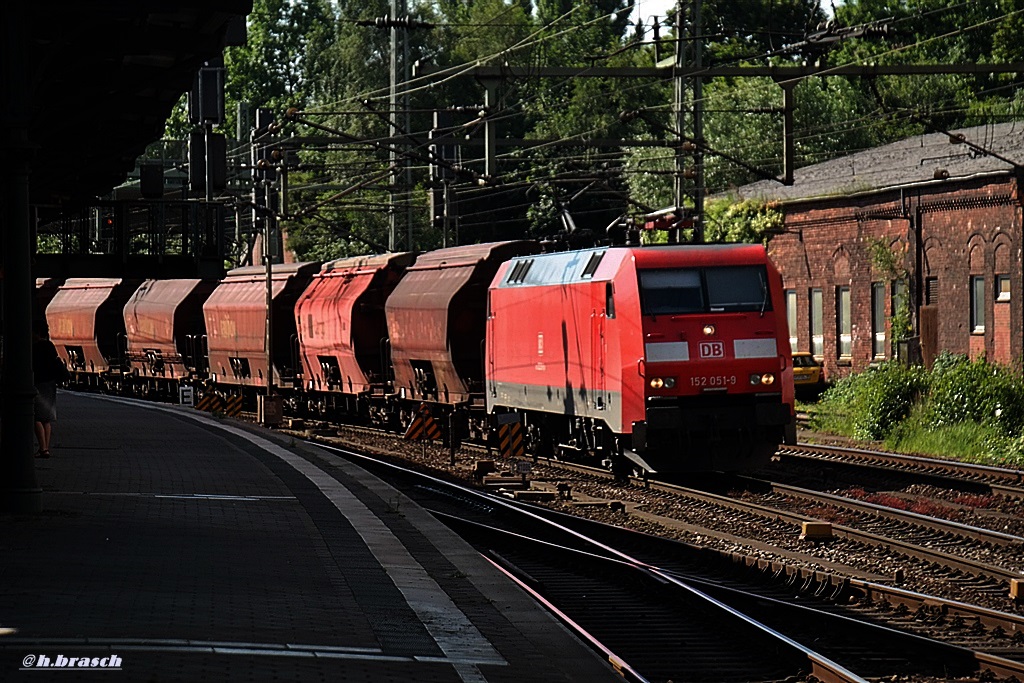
808, 375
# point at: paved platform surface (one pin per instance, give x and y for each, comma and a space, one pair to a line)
177, 547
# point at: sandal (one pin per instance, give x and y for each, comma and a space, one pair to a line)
43, 454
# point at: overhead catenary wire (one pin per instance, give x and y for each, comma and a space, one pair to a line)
509, 113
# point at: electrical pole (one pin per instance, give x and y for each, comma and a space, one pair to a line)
688, 65
399, 162
264, 212
393, 157
407, 120
699, 189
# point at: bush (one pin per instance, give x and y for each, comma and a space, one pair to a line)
970, 410
870, 404
975, 391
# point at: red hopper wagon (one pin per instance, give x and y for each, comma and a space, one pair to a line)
166, 336
236, 324
86, 323
343, 330
436, 318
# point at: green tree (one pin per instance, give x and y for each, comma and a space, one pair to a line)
276, 68
752, 221
742, 30
929, 31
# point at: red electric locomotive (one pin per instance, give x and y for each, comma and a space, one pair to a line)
670, 358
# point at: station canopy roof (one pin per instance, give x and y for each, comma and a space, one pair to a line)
102, 78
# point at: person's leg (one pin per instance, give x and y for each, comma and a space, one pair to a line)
42, 437
47, 433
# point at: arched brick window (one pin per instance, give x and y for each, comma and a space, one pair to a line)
1002, 273
977, 289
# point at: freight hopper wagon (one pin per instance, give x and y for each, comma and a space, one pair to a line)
436, 324
86, 323
236, 328
670, 358
343, 334
166, 335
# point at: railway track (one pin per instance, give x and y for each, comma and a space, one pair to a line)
889, 546
561, 558
974, 477
929, 540
981, 552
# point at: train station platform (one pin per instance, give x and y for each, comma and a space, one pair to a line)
174, 546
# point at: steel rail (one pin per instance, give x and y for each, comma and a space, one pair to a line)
914, 551
826, 670
910, 549
821, 667
729, 596
1010, 623
830, 586
1001, 480
620, 665
933, 523
866, 590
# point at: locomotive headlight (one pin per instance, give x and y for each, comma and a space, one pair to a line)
766, 379
663, 382
709, 330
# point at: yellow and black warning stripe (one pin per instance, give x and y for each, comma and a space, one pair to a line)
510, 440
233, 405
423, 426
211, 403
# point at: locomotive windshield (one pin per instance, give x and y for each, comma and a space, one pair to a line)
674, 291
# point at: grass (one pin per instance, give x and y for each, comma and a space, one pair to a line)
964, 441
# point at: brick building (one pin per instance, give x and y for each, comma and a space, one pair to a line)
933, 222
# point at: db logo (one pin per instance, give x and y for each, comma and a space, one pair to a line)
712, 349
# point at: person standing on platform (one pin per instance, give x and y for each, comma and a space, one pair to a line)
48, 370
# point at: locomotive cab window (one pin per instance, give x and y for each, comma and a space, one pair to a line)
738, 288
667, 292
701, 290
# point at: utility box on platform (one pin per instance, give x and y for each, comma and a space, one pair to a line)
269, 410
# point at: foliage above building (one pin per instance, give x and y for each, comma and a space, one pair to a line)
575, 145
